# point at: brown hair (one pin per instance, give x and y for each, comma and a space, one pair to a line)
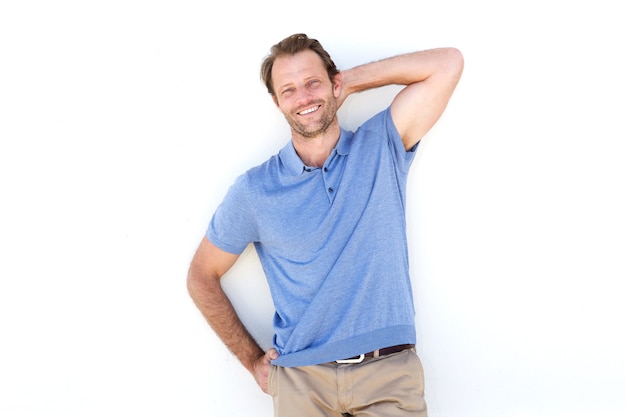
291, 46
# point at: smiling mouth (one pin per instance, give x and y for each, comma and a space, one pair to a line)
309, 110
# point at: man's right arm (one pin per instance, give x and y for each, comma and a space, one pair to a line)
208, 266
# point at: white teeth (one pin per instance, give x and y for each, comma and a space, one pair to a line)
307, 111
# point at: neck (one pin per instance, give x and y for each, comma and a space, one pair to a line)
315, 151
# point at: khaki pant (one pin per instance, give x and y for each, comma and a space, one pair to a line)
389, 386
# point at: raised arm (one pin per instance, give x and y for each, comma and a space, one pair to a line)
203, 282
430, 78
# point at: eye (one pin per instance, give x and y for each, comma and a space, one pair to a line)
287, 92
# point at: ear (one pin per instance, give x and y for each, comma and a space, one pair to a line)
337, 85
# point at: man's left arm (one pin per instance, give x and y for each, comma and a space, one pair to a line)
430, 78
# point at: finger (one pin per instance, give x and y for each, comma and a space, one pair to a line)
272, 354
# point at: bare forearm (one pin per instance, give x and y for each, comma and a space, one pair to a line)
403, 69
219, 312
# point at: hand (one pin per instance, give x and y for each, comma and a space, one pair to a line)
261, 367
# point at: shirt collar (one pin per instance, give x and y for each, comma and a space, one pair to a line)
294, 165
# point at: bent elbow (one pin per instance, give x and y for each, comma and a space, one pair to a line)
455, 62
197, 282
193, 282
201, 283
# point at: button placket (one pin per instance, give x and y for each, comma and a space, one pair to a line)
330, 188
331, 174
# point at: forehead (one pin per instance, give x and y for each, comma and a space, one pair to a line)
291, 68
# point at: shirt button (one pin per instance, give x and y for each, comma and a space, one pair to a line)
325, 169
330, 190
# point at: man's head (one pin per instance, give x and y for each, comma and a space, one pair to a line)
304, 84
291, 46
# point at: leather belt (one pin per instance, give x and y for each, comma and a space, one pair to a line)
376, 353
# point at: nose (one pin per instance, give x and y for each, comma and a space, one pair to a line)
303, 96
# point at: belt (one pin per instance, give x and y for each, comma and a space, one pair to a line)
376, 354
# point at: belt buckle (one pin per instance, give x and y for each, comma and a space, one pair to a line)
352, 360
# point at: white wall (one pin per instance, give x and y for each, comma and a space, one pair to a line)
123, 123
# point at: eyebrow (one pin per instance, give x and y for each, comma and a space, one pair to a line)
283, 86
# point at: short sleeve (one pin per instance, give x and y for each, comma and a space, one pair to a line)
233, 227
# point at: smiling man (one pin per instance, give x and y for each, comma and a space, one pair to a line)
306, 95
327, 218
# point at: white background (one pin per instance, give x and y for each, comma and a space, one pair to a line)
122, 124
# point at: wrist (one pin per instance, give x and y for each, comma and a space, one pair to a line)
250, 361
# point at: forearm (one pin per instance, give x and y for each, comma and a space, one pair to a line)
403, 69
219, 312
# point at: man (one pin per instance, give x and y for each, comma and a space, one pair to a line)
326, 216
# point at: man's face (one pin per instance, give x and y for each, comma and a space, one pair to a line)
304, 93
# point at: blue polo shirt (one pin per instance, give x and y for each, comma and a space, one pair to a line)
332, 243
